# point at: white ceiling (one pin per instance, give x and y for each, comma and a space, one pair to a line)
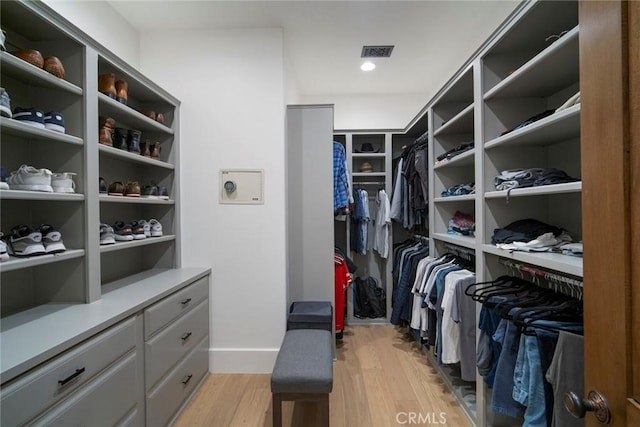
324, 39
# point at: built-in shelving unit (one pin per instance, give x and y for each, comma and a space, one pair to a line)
529, 66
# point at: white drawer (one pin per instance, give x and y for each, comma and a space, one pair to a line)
30, 394
166, 399
108, 400
163, 312
166, 348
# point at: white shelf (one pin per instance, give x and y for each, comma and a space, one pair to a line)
123, 113
40, 195
569, 187
133, 157
465, 159
460, 123
15, 263
368, 155
560, 126
454, 198
558, 262
15, 128
467, 242
105, 198
25, 72
361, 174
119, 246
553, 69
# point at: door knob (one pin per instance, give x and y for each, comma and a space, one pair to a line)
595, 403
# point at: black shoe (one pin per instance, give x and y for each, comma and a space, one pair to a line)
133, 141
103, 185
120, 138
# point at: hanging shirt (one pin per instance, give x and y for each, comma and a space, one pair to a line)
340, 178
382, 224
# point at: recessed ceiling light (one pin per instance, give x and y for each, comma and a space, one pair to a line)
367, 66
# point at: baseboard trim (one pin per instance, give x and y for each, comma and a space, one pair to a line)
242, 360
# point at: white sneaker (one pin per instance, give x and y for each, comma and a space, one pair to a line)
62, 182
4, 255
26, 242
155, 227
31, 179
51, 239
146, 227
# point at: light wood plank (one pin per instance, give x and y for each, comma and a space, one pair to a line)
380, 378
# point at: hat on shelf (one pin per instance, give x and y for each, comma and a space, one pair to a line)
366, 167
367, 147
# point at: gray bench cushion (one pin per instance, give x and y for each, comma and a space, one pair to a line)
304, 363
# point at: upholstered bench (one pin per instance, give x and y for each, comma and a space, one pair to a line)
303, 371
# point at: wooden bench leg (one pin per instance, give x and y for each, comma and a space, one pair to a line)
324, 410
277, 409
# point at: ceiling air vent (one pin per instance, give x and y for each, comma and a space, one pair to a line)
376, 51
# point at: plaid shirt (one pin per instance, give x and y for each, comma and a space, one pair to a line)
340, 178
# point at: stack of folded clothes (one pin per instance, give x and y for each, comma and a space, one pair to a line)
465, 146
530, 235
462, 224
530, 177
459, 190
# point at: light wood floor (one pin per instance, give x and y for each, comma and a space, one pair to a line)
380, 377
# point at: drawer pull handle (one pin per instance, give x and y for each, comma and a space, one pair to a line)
185, 336
185, 301
64, 382
187, 379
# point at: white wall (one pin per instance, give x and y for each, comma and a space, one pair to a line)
231, 84
102, 23
371, 112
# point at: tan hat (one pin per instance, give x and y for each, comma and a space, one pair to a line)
366, 167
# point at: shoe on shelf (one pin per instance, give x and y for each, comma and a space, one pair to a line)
133, 140
132, 189
29, 116
53, 65
3, 179
122, 231
149, 113
106, 84
146, 227
160, 118
149, 192
54, 121
5, 103
105, 133
32, 56
120, 138
138, 230
4, 255
155, 150
25, 242
145, 148
163, 194
30, 179
122, 88
116, 188
155, 228
102, 185
62, 182
107, 235
51, 239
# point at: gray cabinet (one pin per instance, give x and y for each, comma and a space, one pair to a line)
176, 352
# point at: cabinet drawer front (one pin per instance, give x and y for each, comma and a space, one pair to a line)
29, 395
163, 312
105, 401
168, 397
170, 345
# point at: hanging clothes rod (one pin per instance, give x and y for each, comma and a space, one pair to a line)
559, 282
368, 183
459, 249
419, 237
